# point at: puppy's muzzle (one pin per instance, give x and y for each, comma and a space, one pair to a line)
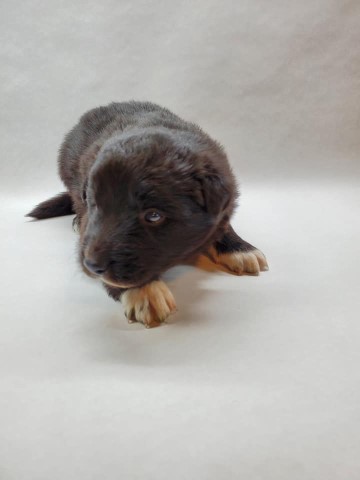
96, 267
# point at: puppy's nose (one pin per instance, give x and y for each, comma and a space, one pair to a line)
95, 267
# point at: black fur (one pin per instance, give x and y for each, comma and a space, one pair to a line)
231, 242
57, 206
125, 161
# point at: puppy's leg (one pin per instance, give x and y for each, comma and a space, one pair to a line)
150, 304
237, 256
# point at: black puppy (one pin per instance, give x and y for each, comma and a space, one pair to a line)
149, 191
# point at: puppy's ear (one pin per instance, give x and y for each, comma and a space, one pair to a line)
215, 187
212, 193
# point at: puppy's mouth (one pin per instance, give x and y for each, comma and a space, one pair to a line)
106, 277
116, 284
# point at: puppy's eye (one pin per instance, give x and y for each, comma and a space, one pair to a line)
153, 217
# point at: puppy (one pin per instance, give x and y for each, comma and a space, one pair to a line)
150, 191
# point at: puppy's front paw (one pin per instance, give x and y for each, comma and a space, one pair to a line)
250, 262
150, 304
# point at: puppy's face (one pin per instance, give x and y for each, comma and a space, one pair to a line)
150, 205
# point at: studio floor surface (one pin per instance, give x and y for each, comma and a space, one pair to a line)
254, 378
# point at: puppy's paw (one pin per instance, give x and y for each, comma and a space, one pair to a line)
150, 304
251, 262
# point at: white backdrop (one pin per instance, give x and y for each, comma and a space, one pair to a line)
256, 377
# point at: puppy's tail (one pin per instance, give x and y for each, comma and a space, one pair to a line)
54, 207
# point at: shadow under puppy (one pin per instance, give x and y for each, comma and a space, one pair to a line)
150, 191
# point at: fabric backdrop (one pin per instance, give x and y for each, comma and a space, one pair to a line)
256, 378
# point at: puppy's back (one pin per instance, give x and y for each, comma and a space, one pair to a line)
99, 124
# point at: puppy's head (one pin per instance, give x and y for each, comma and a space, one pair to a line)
154, 199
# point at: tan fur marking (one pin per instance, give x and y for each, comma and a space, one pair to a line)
113, 284
150, 304
241, 263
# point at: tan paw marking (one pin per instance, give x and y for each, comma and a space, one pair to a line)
150, 304
241, 263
